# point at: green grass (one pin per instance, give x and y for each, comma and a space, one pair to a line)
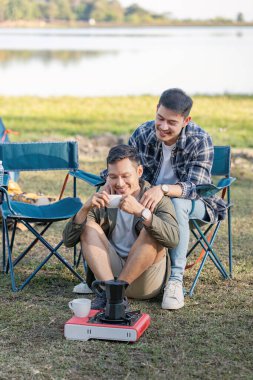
228, 119
208, 339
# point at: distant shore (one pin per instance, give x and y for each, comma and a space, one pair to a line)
173, 23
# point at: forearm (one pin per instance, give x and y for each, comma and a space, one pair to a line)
81, 216
175, 191
74, 227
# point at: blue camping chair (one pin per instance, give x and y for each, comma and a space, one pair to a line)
206, 238
33, 157
4, 138
221, 167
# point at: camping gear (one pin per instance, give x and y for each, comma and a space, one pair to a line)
115, 292
113, 323
206, 238
42, 156
4, 138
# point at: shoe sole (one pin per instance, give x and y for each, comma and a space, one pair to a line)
173, 308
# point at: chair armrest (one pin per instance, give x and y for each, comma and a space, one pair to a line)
90, 178
4, 193
4, 187
208, 190
6, 180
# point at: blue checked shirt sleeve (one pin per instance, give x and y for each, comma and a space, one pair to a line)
198, 168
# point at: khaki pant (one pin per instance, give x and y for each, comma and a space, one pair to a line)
148, 285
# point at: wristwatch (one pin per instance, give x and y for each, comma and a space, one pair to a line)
145, 214
165, 189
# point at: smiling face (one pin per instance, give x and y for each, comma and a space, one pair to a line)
169, 125
123, 177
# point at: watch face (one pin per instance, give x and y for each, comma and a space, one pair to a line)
165, 188
146, 213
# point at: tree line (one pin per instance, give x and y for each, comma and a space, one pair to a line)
74, 10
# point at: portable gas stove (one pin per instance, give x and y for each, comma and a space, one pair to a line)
97, 326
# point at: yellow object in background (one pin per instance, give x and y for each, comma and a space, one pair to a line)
14, 188
18, 195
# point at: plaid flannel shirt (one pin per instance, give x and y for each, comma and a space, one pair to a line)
191, 161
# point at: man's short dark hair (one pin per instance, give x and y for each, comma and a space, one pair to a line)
176, 100
119, 152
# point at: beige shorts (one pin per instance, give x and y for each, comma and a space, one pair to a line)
148, 285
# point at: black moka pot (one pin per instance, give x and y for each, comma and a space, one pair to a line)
115, 293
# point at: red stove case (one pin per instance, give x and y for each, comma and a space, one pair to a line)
83, 329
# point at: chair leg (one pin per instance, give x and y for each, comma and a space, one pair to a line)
35, 241
66, 263
29, 278
203, 241
3, 248
198, 238
13, 283
75, 260
216, 260
80, 256
11, 243
53, 250
198, 274
13, 233
230, 243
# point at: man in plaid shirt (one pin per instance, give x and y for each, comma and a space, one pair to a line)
177, 155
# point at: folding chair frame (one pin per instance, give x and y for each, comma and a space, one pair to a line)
8, 238
221, 166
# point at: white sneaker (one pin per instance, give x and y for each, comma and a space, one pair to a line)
82, 288
173, 296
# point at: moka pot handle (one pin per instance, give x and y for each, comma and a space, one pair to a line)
95, 286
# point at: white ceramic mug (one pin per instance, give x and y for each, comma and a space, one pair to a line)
114, 200
80, 307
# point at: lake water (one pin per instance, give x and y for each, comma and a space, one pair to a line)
126, 61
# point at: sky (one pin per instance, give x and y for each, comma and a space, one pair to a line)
198, 9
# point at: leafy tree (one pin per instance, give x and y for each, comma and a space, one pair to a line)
114, 12
136, 14
18, 10
3, 4
50, 10
64, 11
97, 10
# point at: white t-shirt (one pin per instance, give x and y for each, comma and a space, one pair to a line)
167, 175
123, 235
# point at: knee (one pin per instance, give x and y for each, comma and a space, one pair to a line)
90, 231
147, 239
182, 208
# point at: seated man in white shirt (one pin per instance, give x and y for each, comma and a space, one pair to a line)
128, 242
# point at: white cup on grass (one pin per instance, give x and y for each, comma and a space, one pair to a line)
114, 200
80, 307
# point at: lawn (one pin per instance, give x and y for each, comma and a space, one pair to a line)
228, 119
208, 339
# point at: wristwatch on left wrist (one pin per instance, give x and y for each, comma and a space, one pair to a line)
165, 189
145, 214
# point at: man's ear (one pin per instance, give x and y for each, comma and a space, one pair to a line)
187, 120
140, 170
